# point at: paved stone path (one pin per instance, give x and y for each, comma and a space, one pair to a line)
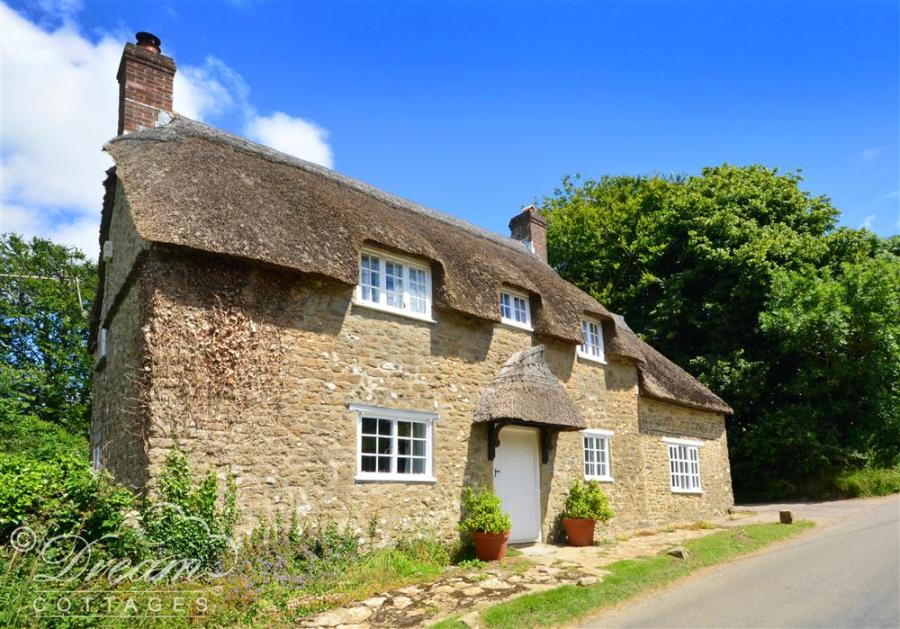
540, 567
417, 605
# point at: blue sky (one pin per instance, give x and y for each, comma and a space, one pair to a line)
478, 109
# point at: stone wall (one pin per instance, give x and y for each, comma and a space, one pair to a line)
128, 247
661, 419
251, 370
119, 412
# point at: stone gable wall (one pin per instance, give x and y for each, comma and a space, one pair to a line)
297, 351
119, 412
661, 419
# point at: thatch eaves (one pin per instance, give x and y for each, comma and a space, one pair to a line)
191, 185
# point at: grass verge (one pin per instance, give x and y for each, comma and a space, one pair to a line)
630, 577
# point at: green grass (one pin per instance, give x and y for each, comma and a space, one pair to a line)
868, 482
630, 577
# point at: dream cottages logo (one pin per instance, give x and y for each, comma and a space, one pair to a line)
78, 578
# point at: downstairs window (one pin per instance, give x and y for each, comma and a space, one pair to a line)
393, 445
684, 466
597, 464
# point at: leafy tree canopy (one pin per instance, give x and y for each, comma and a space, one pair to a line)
46, 292
744, 279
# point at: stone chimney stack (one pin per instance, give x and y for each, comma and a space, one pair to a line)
530, 228
145, 84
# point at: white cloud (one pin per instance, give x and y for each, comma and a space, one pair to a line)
60, 104
210, 90
54, 12
296, 136
868, 221
214, 90
873, 153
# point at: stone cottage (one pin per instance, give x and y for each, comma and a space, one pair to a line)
353, 355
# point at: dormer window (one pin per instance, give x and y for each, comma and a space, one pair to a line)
399, 285
515, 309
592, 349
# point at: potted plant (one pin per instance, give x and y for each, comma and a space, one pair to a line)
486, 522
586, 504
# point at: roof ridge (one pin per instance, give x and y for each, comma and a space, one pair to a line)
179, 123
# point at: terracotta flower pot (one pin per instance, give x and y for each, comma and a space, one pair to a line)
579, 532
490, 546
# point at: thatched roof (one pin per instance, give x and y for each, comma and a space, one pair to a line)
526, 390
660, 378
191, 185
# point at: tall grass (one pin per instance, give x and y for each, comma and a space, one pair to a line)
868, 482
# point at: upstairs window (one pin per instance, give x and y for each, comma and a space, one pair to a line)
515, 309
394, 284
592, 349
684, 466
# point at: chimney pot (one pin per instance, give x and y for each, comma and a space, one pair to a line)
148, 41
530, 228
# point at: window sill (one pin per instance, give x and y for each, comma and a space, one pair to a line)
393, 478
600, 479
686, 491
394, 311
592, 358
516, 325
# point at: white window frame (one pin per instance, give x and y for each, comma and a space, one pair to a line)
587, 351
381, 304
103, 343
606, 437
395, 415
685, 474
97, 458
107, 250
513, 295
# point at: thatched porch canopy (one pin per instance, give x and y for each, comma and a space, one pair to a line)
526, 391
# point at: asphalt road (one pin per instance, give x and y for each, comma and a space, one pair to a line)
845, 575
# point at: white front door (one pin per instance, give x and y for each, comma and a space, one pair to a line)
517, 480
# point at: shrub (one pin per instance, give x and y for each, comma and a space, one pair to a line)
588, 502
187, 522
39, 439
61, 496
291, 553
482, 513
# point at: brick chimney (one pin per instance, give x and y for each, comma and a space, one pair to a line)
145, 84
530, 228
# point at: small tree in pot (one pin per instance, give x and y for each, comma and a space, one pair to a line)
586, 504
486, 522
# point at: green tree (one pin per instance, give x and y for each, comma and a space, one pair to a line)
693, 263
46, 292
